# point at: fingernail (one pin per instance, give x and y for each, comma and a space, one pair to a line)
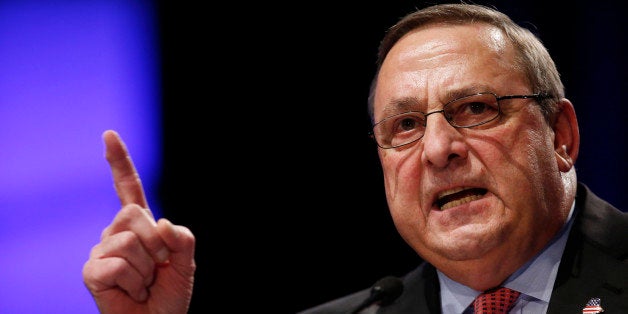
163, 255
143, 295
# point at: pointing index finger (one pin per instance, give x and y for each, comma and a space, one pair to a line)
126, 180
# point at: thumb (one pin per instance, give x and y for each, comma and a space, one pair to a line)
180, 242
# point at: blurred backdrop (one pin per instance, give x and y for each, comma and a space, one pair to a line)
69, 71
248, 124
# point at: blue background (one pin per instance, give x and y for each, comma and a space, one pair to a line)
69, 71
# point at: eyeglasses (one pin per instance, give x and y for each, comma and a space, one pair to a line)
465, 112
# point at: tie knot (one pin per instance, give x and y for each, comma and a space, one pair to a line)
498, 300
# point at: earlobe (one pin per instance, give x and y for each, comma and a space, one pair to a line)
563, 159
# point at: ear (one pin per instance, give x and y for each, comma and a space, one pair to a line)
566, 135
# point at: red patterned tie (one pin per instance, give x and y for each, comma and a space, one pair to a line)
494, 301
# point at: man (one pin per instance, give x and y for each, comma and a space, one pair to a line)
478, 143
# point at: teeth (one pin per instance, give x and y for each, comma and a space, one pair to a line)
458, 196
461, 201
449, 192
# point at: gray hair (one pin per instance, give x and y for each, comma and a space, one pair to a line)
532, 58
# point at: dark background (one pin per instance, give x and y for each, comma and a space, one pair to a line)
266, 154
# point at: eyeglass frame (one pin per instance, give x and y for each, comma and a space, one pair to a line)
537, 97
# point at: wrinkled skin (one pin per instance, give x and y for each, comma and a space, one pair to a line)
525, 165
140, 265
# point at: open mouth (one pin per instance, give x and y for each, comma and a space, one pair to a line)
460, 196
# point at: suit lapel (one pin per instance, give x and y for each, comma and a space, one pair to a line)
421, 293
591, 265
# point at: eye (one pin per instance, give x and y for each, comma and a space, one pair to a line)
408, 122
476, 108
472, 110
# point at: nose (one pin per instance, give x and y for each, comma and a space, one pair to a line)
442, 143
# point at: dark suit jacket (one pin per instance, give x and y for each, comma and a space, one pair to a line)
594, 264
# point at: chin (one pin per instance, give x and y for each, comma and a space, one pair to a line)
472, 242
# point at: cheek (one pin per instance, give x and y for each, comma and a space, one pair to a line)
524, 170
519, 148
402, 173
402, 170
536, 154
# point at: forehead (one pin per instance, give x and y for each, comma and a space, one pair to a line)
432, 63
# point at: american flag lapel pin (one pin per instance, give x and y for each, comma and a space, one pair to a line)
594, 306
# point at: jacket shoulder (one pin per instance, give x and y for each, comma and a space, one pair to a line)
602, 224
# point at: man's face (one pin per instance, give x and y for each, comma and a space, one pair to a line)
502, 178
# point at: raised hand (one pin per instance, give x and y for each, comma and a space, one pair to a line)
140, 265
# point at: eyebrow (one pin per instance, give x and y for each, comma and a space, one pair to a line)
409, 103
466, 91
403, 104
